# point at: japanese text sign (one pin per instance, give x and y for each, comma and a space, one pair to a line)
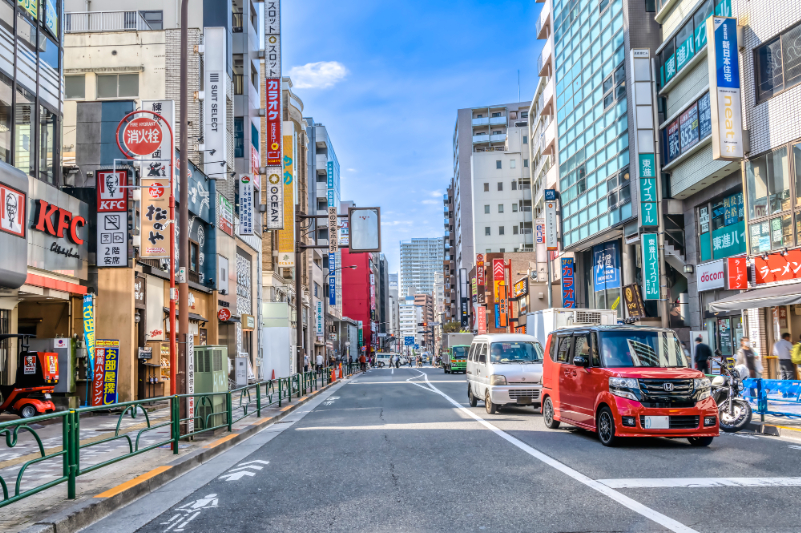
142, 136
650, 266
568, 283
778, 267
106, 367
246, 212
155, 218
724, 89
737, 277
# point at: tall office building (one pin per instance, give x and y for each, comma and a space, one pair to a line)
419, 259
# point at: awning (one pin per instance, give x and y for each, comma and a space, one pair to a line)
192, 316
766, 297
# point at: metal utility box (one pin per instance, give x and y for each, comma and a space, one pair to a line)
211, 375
541, 323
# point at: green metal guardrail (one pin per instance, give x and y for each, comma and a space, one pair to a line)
240, 403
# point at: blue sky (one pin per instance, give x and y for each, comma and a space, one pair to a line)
386, 79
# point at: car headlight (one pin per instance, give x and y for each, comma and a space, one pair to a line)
624, 387
497, 380
700, 384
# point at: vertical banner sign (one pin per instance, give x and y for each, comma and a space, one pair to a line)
540, 222
551, 239
286, 237
606, 266
724, 89
214, 105
737, 276
104, 384
225, 215
332, 255
648, 196
319, 318
190, 382
273, 117
650, 266
275, 199
568, 283
480, 279
112, 218
481, 319
155, 218
89, 332
246, 206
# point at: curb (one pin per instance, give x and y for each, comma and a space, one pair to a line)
97, 507
769, 429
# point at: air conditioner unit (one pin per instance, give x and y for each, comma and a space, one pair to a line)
211, 376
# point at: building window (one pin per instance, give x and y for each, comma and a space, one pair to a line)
117, 85
498, 164
488, 251
6, 85
778, 64
24, 134
193, 256
514, 208
487, 232
515, 230
500, 185
513, 163
239, 137
514, 185
500, 230
524, 114
500, 208
486, 209
155, 19
75, 87
47, 148
494, 115
525, 139
254, 76
503, 250
486, 187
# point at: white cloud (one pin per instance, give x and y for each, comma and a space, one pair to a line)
436, 194
396, 222
430, 202
320, 75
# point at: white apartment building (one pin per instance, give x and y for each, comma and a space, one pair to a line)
420, 259
501, 191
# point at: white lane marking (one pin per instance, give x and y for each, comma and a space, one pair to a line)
693, 482
236, 476
622, 499
192, 508
794, 447
393, 371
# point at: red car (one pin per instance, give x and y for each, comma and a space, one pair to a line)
626, 381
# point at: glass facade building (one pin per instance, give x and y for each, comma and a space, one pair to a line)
592, 118
31, 87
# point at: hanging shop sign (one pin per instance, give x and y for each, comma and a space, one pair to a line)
214, 105
223, 315
633, 299
568, 283
190, 382
778, 267
724, 89
650, 266
648, 196
344, 232
286, 237
273, 116
737, 273
332, 254
275, 199
225, 217
551, 240
711, 275
606, 266
246, 214
155, 218
13, 217
89, 332
106, 367
365, 229
12, 211
521, 288
540, 223
481, 279
112, 218
481, 319
497, 269
319, 318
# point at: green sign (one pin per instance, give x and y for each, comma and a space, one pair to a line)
648, 194
650, 266
647, 166
30, 6
728, 241
684, 52
649, 216
648, 190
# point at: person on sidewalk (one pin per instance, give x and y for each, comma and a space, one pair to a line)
703, 353
747, 357
319, 363
305, 361
783, 350
363, 363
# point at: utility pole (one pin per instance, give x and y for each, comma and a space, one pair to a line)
298, 300
183, 213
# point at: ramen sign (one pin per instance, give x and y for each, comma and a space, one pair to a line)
142, 136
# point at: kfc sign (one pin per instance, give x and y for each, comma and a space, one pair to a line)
737, 277
778, 267
57, 222
112, 194
12, 211
711, 275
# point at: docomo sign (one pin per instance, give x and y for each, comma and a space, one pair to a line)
711, 275
142, 136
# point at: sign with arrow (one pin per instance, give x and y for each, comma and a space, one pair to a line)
235, 474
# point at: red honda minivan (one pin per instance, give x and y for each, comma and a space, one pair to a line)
626, 381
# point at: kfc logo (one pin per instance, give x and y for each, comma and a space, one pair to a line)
12, 211
111, 194
55, 221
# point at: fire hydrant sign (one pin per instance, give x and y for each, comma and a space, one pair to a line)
155, 218
142, 136
104, 384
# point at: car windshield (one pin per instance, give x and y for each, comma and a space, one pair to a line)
658, 349
459, 353
515, 352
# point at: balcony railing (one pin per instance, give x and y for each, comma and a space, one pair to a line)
97, 21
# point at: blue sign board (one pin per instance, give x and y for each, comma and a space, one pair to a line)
606, 266
408, 341
550, 195
416, 346
330, 172
727, 61
568, 283
332, 279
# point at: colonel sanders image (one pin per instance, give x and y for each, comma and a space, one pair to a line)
113, 186
11, 219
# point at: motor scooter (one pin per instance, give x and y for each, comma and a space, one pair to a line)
37, 376
734, 411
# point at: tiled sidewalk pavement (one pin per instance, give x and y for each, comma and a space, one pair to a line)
19, 515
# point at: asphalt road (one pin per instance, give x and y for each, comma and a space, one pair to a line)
400, 450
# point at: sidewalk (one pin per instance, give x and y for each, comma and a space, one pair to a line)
127, 479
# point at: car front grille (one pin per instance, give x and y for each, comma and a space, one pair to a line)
653, 390
524, 393
678, 422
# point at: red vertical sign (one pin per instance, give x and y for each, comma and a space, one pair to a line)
737, 276
274, 122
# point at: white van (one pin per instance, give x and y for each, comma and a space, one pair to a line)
504, 368
382, 359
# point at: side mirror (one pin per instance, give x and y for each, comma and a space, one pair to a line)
580, 360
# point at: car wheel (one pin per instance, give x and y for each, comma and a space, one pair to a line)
488, 405
606, 427
547, 415
473, 400
700, 441
27, 411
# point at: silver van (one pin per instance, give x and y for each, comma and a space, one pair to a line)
504, 368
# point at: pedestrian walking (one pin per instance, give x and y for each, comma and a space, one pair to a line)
747, 357
305, 362
783, 350
319, 363
703, 353
363, 363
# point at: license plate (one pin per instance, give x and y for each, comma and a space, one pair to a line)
524, 401
657, 422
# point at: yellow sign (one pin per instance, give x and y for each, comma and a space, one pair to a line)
30, 6
286, 236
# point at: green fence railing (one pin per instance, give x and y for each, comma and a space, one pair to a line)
210, 415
